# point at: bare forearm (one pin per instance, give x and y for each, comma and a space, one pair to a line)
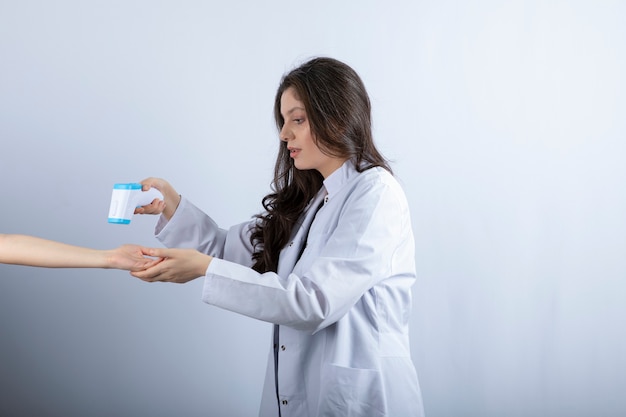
33, 251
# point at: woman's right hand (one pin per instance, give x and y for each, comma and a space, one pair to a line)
170, 201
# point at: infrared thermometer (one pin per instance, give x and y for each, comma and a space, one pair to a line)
126, 198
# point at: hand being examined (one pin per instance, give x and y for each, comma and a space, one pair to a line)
177, 265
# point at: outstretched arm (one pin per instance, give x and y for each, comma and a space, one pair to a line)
34, 251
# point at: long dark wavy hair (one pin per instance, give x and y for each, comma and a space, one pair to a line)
339, 114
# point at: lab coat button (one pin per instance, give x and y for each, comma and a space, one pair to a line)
283, 347
284, 402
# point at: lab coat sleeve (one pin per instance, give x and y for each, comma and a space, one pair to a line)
190, 227
362, 250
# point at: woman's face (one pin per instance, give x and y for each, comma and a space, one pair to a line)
296, 133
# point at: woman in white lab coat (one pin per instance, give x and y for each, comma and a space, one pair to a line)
330, 262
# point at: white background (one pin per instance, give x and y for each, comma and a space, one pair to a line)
505, 124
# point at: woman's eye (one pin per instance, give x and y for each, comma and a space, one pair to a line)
298, 121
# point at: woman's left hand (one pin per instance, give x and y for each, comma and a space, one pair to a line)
177, 265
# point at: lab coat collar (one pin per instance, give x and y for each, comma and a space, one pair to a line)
335, 181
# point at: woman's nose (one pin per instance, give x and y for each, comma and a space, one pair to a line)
285, 135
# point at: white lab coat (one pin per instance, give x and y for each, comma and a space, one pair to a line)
342, 308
